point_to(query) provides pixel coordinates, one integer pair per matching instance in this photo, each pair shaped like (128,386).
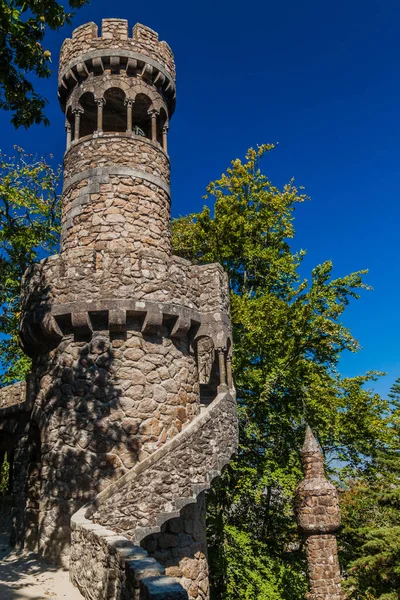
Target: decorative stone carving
(205,358)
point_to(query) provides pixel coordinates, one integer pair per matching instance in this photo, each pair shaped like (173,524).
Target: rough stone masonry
(130,410)
(318,517)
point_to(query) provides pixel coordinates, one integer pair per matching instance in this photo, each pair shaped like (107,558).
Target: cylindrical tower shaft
(118,94)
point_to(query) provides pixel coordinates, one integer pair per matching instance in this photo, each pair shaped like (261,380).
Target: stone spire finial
(310,445)
(318,517)
(311,456)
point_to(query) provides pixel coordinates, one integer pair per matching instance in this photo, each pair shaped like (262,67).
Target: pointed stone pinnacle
(310,445)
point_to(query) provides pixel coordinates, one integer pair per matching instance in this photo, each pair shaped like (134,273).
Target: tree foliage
(22,28)
(29,229)
(371,536)
(288,340)
(4,476)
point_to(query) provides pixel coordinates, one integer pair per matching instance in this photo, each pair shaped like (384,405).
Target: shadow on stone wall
(91,410)
(181,547)
(82,439)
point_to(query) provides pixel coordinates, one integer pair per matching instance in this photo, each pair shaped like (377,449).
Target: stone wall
(112,212)
(172,526)
(116,195)
(324,569)
(174,475)
(127,150)
(103,406)
(87,277)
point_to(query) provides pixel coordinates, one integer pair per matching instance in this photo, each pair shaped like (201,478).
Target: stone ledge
(101,172)
(162,588)
(49,325)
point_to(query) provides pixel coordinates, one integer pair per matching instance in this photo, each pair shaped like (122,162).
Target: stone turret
(318,517)
(118,94)
(131,346)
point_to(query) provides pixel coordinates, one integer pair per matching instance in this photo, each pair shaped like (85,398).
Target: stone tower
(318,516)
(133,409)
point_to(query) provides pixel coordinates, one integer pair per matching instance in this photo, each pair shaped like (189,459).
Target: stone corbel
(153,321)
(81,322)
(117,320)
(98,67)
(82,70)
(181,326)
(50,327)
(115,62)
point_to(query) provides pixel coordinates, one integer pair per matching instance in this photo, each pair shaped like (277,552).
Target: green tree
(288,338)
(29,229)
(371,511)
(22,28)
(4,476)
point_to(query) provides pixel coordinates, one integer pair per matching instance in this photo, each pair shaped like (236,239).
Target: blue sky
(322,79)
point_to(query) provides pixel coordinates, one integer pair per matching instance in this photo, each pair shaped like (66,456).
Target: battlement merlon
(141,54)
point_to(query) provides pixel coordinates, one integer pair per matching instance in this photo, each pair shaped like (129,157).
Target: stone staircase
(111,527)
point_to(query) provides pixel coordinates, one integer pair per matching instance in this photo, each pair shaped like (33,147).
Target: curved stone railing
(173,477)
(106,565)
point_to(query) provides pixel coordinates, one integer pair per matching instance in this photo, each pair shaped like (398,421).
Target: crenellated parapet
(80,291)
(140,55)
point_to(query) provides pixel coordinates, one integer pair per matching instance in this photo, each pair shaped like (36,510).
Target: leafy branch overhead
(29,230)
(22,29)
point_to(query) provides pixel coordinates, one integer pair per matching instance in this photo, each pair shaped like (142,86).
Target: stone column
(128,104)
(77,112)
(229,376)
(164,139)
(100,103)
(318,517)
(153,115)
(68,129)
(222,369)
